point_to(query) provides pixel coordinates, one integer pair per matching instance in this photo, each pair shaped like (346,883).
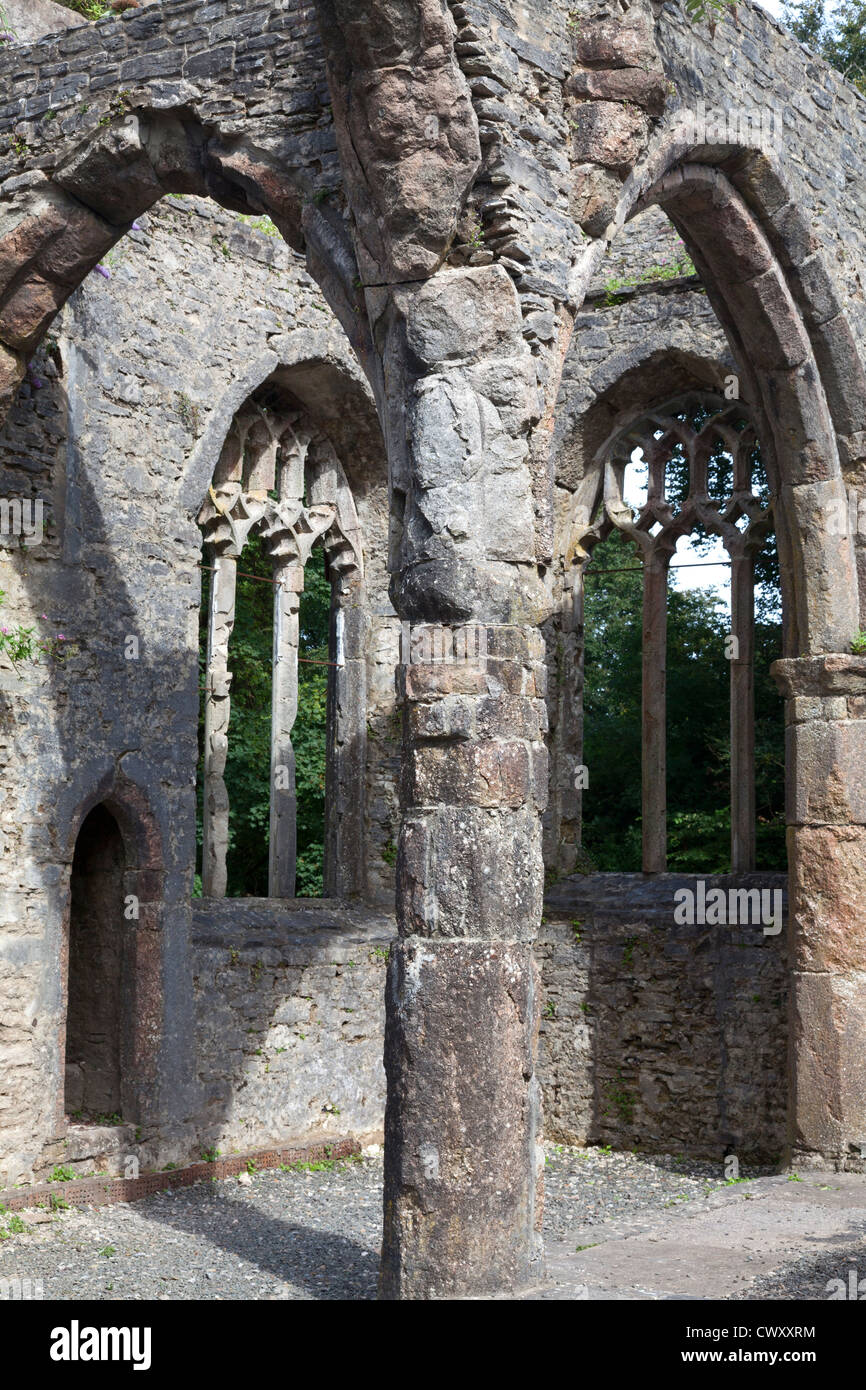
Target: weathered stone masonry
(454,175)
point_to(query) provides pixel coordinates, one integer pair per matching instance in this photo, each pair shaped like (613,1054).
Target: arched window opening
(282,553)
(677,695)
(96,972)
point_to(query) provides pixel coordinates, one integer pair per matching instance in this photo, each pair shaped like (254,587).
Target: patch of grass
(61,1173)
(621,1098)
(678,269)
(260,224)
(322,1165)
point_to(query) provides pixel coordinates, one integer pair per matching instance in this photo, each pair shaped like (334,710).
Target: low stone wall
(661,1036)
(290,1017)
(653,1035)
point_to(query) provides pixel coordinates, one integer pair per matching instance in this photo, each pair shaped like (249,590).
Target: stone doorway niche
(96,983)
(111,1036)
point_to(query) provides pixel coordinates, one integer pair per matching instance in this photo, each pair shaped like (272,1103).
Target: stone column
(215,830)
(654,710)
(282,857)
(826,813)
(743,713)
(462,1178)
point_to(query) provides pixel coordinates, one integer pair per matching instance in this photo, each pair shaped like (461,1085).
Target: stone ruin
(423,375)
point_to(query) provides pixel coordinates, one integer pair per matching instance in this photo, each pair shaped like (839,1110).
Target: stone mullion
(565,744)
(215,828)
(654,711)
(743,712)
(282,856)
(345,775)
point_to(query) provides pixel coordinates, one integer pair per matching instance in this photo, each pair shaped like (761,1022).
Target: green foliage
(839,37)
(698,10)
(90,9)
(62,1174)
(260,224)
(698,686)
(681,267)
(21,643)
(249,758)
(618,1094)
(858,643)
(322,1165)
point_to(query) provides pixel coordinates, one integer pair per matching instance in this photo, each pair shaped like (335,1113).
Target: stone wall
(117,429)
(655,1036)
(289,1022)
(665,1037)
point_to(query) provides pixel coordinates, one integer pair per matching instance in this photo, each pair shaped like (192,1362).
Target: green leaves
(249,758)
(698,678)
(698,10)
(838,37)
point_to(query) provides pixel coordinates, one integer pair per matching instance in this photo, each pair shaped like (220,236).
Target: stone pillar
(462,1177)
(215,830)
(826,813)
(654,710)
(743,713)
(282,856)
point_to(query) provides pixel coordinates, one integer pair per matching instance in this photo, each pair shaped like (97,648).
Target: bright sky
(706,577)
(773,6)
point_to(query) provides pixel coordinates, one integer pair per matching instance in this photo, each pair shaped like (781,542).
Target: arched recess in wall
(65,217)
(112,960)
(759,265)
(279,486)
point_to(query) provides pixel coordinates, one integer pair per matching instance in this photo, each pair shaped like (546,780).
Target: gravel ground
(301,1235)
(588,1187)
(810,1276)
